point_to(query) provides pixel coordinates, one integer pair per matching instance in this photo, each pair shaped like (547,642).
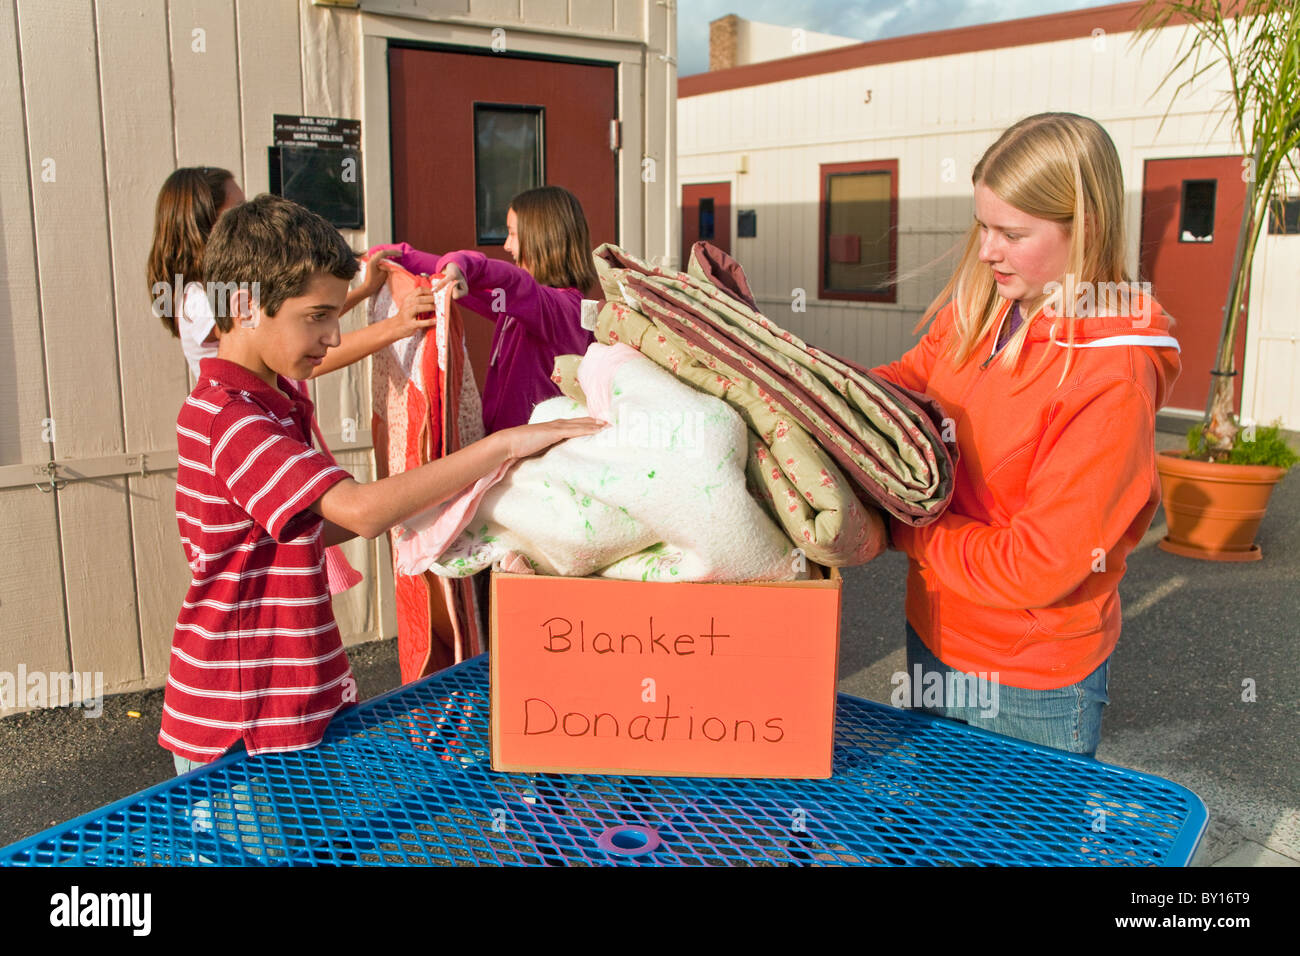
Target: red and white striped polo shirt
(256,655)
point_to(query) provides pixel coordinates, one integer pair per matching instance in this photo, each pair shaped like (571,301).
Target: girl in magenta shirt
(535,305)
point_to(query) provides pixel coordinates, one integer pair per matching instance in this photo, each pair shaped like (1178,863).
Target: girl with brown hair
(189,203)
(536,305)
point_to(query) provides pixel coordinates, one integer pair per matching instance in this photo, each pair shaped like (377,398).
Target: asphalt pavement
(1197,635)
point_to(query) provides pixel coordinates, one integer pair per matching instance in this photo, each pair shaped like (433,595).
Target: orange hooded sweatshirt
(1055,485)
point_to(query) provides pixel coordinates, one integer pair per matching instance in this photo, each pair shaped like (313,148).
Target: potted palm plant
(1216,491)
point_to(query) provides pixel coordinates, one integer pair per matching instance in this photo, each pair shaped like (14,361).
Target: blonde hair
(1056,166)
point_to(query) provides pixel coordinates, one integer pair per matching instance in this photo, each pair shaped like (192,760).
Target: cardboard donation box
(591,675)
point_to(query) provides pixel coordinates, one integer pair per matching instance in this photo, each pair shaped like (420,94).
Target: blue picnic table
(405,780)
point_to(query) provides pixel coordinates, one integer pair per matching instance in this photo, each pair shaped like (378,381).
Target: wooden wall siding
(33,628)
(139,153)
(115,94)
(1271,387)
(24,402)
(270,79)
(632,191)
(357,609)
(549,13)
(61,95)
(495,10)
(205,84)
(151,86)
(935,116)
(594,15)
(584,17)
(662,226)
(329,56)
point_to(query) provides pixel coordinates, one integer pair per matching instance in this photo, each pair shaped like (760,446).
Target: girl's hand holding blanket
(375,276)
(454,275)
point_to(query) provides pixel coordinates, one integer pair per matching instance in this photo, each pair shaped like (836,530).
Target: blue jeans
(185,765)
(1066,718)
(242,816)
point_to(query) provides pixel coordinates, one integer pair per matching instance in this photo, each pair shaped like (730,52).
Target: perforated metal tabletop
(405,779)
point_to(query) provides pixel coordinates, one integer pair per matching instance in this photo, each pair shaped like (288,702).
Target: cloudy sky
(860,19)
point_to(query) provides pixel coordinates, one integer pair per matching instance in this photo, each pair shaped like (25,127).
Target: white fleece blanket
(658,496)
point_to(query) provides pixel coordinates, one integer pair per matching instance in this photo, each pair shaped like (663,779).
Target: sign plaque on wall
(316,161)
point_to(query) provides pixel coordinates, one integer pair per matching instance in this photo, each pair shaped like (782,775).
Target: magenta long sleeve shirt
(534,324)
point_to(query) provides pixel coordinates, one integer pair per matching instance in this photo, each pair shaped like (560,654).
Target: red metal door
(1191,212)
(706,214)
(434,99)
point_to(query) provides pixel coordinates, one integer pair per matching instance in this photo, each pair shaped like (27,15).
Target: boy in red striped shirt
(256,657)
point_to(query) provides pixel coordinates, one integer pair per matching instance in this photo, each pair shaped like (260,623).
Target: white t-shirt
(195,322)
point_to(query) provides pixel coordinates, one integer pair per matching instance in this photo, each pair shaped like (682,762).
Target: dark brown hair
(184,215)
(275,247)
(554,243)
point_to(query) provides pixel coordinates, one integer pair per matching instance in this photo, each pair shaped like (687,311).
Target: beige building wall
(936,116)
(101,100)
(1271,385)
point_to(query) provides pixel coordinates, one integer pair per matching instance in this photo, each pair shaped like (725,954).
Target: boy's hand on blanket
(524,440)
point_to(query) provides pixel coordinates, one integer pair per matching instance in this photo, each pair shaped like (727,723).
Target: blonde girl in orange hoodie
(1051,365)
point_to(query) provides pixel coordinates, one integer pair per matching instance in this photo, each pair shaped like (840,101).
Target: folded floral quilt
(826,435)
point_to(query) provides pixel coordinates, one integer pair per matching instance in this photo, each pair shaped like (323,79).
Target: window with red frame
(858,254)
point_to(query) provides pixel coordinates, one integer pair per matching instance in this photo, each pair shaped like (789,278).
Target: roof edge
(1046,28)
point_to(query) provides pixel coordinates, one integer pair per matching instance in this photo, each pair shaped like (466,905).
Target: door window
(706,218)
(508,150)
(1197,223)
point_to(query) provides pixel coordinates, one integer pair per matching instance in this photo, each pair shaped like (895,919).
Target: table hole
(629,840)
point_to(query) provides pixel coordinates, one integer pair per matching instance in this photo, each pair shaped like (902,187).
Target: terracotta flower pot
(1214,510)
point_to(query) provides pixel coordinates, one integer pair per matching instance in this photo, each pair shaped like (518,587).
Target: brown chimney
(722,42)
